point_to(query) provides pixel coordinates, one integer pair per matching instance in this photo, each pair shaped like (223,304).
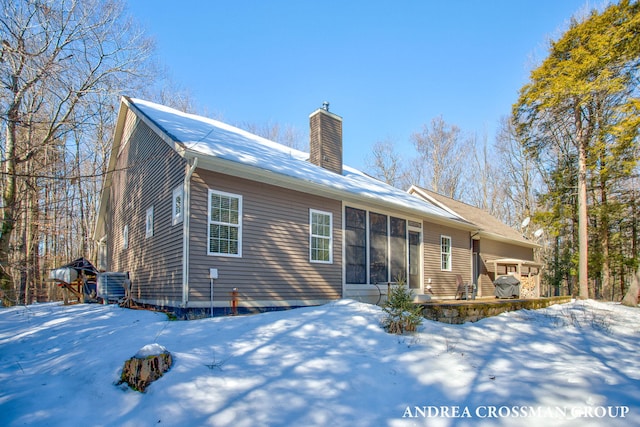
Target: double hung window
(224,224)
(321,236)
(445,253)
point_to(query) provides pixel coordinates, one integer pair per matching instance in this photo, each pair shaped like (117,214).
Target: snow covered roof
(488,226)
(213,140)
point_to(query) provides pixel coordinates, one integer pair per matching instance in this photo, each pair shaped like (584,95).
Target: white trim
(185,230)
(311,236)
(450,253)
(414,189)
(238,225)
(420,232)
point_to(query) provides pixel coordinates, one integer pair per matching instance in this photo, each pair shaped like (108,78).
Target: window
(445,253)
(415,238)
(224,224)
(149,223)
(321,241)
(398,246)
(177,207)
(376,248)
(125,237)
(355,234)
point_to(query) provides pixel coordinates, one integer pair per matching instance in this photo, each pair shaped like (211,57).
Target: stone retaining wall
(472,311)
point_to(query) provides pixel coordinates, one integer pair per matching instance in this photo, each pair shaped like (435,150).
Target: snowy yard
(573,364)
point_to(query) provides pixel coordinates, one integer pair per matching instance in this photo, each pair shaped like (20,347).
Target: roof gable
(489,226)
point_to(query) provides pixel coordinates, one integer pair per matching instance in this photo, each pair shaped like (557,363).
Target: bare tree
(445,155)
(284,134)
(521,178)
(487,188)
(386,164)
(62,63)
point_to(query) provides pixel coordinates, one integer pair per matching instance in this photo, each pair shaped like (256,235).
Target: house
(204,216)
(497,249)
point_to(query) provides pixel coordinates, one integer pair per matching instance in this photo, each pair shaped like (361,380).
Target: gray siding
(274,268)
(146,173)
(443,283)
(490,250)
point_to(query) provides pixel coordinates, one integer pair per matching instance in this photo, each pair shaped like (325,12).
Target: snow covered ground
(568,365)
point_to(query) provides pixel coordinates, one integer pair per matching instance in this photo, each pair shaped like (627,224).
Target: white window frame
(445,263)
(229,224)
(313,236)
(148,223)
(125,237)
(177,210)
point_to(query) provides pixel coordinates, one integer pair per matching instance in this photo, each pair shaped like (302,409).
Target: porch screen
(378,247)
(398,243)
(355,246)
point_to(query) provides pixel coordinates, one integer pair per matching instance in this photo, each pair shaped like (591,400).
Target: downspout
(186,190)
(476,292)
(102,243)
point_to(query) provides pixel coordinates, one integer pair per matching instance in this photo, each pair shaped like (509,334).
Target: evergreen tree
(402,315)
(586,90)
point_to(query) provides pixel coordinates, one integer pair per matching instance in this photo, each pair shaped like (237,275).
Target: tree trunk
(604,236)
(583,236)
(9,201)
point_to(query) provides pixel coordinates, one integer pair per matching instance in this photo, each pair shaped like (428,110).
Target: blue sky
(386,67)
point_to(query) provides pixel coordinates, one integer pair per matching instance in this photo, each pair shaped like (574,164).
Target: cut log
(149,364)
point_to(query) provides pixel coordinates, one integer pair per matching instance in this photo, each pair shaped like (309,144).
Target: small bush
(402,315)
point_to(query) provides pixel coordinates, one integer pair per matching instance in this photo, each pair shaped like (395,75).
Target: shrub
(402,315)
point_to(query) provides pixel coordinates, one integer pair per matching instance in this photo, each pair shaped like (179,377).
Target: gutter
(232,168)
(186,191)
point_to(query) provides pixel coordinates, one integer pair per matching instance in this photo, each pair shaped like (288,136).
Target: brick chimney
(325,144)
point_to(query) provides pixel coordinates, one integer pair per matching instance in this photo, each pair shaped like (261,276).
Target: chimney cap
(325,105)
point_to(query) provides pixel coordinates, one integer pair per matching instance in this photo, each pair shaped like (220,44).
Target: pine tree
(585,90)
(402,315)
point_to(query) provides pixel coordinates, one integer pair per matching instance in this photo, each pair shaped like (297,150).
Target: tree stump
(149,364)
(631,298)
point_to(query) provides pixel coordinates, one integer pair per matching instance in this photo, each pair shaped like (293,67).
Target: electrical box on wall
(213,273)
